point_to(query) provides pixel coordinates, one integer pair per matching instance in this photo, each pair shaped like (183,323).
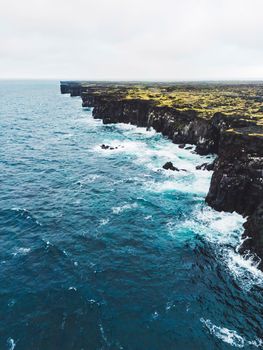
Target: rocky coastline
(237,180)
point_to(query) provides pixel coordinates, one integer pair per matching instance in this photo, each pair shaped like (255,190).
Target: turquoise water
(103,249)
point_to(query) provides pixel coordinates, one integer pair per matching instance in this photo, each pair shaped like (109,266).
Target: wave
(224,230)
(120,209)
(244,268)
(154,155)
(25,214)
(104,222)
(11,344)
(88,179)
(21,251)
(230,336)
(136,130)
(182,182)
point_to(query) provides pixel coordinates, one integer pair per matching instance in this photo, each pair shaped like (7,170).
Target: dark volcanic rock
(206,166)
(236,183)
(183,127)
(108,147)
(170,166)
(72,88)
(104,146)
(130,111)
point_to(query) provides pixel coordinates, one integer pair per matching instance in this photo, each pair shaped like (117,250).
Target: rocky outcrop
(206,166)
(170,166)
(237,181)
(72,88)
(130,111)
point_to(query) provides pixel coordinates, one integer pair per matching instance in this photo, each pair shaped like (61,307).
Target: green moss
(206,100)
(241,100)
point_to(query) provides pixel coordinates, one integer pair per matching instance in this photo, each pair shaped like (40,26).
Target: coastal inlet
(103,248)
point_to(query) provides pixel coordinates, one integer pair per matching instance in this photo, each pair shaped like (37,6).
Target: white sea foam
(219,226)
(88,179)
(104,222)
(120,209)
(135,130)
(133,147)
(244,269)
(155,315)
(11,344)
(155,154)
(21,251)
(187,180)
(225,230)
(72,288)
(182,182)
(103,335)
(230,336)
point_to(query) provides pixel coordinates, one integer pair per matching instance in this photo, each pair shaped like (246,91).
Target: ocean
(104,249)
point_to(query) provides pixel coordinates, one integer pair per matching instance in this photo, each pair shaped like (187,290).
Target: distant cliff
(237,139)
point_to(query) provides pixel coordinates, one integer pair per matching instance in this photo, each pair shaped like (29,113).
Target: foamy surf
(124,207)
(224,230)
(154,155)
(229,336)
(11,344)
(184,182)
(21,251)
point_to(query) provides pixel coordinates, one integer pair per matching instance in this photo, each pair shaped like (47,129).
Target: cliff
(221,119)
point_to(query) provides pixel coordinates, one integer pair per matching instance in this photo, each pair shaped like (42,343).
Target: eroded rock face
(253,234)
(237,181)
(183,127)
(206,166)
(130,111)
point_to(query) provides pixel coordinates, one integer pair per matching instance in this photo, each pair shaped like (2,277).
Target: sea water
(104,249)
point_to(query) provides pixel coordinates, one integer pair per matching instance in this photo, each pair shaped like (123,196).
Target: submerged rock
(170,166)
(108,147)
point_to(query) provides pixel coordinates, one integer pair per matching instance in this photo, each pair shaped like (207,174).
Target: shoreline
(237,180)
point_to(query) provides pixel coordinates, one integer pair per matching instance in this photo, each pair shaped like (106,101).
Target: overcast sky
(136,40)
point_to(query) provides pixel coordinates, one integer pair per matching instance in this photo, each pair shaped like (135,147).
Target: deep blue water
(102,249)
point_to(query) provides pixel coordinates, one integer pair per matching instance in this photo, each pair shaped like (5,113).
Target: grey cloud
(123,39)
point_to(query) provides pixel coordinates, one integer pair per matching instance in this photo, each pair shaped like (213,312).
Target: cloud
(123,39)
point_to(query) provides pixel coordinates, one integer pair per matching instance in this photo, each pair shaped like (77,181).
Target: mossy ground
(244,100)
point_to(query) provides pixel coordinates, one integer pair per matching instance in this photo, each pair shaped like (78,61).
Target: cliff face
(72,88)
(253,234)
(237,181)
